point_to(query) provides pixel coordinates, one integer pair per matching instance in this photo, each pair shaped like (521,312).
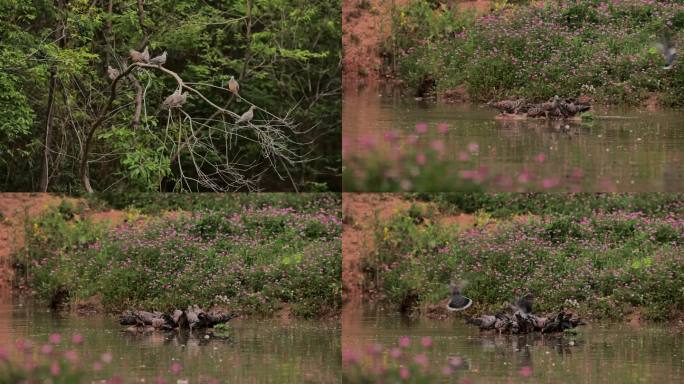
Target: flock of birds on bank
(522,320)
(178,99)
(190,319)
(555,108)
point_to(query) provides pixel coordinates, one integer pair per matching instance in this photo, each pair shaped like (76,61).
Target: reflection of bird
(113,73)
(145,55)
(458,302)
(484,322)
(247,116)
(233,85)
(668,51)
(159,60)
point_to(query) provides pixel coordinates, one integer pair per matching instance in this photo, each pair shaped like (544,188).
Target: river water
(620,150)
(256,351)
(600,353)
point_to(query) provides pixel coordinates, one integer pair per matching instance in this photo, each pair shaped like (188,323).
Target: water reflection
(621,149)
(599,353)
(254,351)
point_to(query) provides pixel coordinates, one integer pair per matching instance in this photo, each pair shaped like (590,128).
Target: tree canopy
(68,124)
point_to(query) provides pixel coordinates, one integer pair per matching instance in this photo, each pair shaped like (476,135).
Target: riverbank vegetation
(252,254)
(81,114)
(605,51)
(601,256)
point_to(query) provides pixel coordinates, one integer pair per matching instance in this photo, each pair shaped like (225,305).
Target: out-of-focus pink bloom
(46,349)
(404,373)
(412,139)
(443,128)
(404,341)
(525,371)
(421,128)
(71,355)
(540,158)
(421,159)
(577,173)
(115,380)
(473,147)
(550,183)
(176,368)
(159,380)
(395,353)
(421,359)
(374,349)
(447,370)
(55,369)
(524,176)
(55,338)
(437,145)
(350,357)
(4,355)
(97,366)
(391,136)
(426,341)
(106,357)
(463,156)
(77,338)
(455,361)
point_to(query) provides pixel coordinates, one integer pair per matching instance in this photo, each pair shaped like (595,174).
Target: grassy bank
(253,255)
(604,50)
(604,257)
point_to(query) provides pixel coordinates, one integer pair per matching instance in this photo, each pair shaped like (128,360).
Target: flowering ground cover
(601,49)
(253,257)
(626,255)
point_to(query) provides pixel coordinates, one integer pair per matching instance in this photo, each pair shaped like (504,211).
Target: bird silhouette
(159,60)
(113,73)
(247,116)
(668,51)
(458,302)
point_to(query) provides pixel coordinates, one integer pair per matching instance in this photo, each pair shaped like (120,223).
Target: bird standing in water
(458,302)
(247,116)
(524,304)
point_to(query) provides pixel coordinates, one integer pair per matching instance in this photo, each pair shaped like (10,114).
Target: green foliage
(602,50)
(287,61)
(609,262)
(253,258)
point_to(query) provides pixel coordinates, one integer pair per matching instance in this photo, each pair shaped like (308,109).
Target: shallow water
(600,353)
(257,351)
(620,150)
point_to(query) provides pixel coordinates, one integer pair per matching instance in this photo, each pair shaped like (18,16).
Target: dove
(113,73)
(145,55)
(458,302)
(159,60)
(668,51)
(175,100)
(136,56)
(233,85)
(247,116)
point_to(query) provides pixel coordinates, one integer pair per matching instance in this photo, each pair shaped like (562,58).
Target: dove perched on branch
(145,55)
(136,56)
(113,73)
(175,100)
(159,60)
(247,116)
(233,85)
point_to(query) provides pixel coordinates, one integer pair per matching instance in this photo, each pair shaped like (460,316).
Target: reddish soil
(367,23)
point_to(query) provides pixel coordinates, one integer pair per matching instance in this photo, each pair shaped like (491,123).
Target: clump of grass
(605,263)
(250,258)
